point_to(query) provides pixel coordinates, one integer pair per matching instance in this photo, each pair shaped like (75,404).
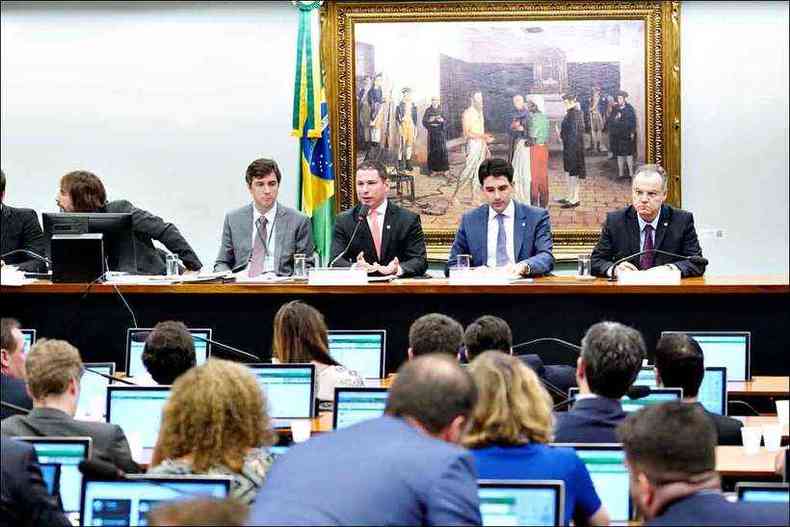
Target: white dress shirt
(268,261)
(493,232)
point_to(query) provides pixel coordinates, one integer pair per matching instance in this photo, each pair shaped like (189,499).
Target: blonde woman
(216,422)
(509,433)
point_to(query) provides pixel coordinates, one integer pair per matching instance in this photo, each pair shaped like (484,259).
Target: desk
(731,461)
(760,386)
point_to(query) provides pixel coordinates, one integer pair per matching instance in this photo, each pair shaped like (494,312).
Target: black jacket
(728,430)
(14,391)
(590,421)
(21,230)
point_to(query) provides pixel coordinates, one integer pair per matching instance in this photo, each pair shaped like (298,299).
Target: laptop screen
(646,377)
(135,343)
(363,351)
(66,452)
(606,465)
(763,492)
(93,391)
(656,396)
(713,390)
(289,388)
(730,350)
(521,502)
(138,411)
(50,473)
(127,502)
(29,338)
(353,405)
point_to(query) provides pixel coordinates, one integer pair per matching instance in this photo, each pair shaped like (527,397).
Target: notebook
(353,405)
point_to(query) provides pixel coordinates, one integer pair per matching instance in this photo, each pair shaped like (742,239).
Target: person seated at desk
(54,369)
(647,224)
(21,230)
(435,333)
(670,451)
(390,241)
(680,363)
(215,422)
(13,387)
(264,235)
(199,511)
(610,360)
(82,191)
(169,352)
(510,430)
(504,232)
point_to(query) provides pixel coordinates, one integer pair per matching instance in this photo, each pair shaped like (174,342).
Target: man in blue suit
(504,233)
(399,469)
(671,454)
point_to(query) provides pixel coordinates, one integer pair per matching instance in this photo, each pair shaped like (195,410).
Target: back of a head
(680,363)
(670,442)
(435,333)
(300,335)
(50,366)
(199,511)
(612,355)
(432,389)
(85,189)
(487,333)
(169,351)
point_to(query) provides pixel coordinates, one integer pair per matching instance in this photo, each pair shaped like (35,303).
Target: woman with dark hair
(83,191)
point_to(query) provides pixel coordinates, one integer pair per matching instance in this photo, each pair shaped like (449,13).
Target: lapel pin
(388,226)
(666,223)
(524,224)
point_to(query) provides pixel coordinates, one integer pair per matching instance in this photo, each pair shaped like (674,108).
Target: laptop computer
(712,392)
(92,404)
(135,344)
(138,411)
(29,338)
(363,351)
(522,502)
(289,390)
(50,473)
(729,349)
(656,396)
(353,405)
(763,492)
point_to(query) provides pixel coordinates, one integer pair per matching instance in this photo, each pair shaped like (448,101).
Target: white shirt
(268,261)
(493,232)
(379,211)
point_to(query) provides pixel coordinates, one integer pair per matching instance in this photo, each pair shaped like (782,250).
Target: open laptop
(353,405)
(93,391)
(67,452)
(521,502)
(656,396)
(363,351)
(29,338)
(135,344)
(289,390)
(128,501)
(763,492)
(712,392)
(50,473)
(138,411)
(729,349)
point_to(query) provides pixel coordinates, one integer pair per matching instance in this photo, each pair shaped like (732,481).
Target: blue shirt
(538,461)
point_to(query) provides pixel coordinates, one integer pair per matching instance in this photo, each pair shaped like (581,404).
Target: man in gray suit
(54,369)
(264,236)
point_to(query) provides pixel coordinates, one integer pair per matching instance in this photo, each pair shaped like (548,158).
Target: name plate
(479,277)
(337,276)
(662,275)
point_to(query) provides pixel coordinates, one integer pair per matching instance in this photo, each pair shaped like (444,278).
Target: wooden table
(760,386)
(732,461)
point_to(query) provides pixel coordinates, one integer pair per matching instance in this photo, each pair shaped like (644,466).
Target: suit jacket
(24,499)
(712,508)
(531,237)
(378,472)
(21,230)
(620,238)
(401,236)
(293,235)
(728,429)
(109,441)
(13,391)
(590,421)
(148,227)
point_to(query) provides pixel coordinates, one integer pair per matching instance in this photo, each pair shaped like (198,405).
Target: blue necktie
(501,242)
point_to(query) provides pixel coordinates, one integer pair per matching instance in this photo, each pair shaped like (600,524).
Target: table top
(760,385)
(732,461)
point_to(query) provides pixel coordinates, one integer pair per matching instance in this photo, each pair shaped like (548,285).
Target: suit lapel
(244,244)
(663,225)
(519,228)
(386,232)
(6,230)
(483,226)
(632,228)
(280,228)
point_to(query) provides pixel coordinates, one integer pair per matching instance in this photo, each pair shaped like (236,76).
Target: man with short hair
(389,239)
(622,134)
(647,224)
(435,333)
(12,368)
(403,468)
(680,363)
(670,451)
(21,231)
(54,369)
(610,360)
(169,351)
(264,235)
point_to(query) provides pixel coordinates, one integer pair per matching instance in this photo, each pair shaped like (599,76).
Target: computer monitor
(363,351)
(508,502)
(116,229)
(289,390)
(763,492)
(66,452)
(135,344)
(729,349)
(138,411)
(29,338)
(646,377)
(128,501)
(353,405)
(93,391)
(656,396)
(712,392)
(50,473)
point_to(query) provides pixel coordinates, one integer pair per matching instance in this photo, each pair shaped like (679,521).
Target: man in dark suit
(53,370)
(399,469)
(21,230)
(680,364)
(610,360)
(645,225)
(671,453)
(504,233)
(389,240)
(24,499)
(12,368)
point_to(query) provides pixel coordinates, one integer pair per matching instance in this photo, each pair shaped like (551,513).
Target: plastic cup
(583,266)
(752,435)
(300,430)
(463,262)
(772,434)
(783,412)
(300,266)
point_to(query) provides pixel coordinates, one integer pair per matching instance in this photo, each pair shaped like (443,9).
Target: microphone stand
(363,211)
(225,347)
(693,259)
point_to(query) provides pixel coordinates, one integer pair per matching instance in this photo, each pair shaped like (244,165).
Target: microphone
(109,377)
(15,408)
(37,256)
(225,347)
(363,212)
(564,343)
(695,259)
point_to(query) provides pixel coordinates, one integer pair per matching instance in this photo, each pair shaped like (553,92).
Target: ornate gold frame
(662,61)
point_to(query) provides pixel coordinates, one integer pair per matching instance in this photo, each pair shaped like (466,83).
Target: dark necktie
(258,248)
(501,242)
(647,260)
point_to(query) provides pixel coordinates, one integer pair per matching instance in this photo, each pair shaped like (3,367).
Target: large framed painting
(431,89)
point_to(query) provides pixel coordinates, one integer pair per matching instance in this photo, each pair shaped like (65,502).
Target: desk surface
(732,461)
(760,386)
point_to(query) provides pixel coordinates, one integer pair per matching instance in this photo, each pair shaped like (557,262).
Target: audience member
(198,512)
(671,455)
(21,231)
(54,369)
(216,422)
(610,360)
(169,351)
(13,388)
(680,364)
(398,469)
(510,430)
(435,333)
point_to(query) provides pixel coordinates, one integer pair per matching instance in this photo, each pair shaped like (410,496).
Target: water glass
(463,262)
(300,266)
(583,268)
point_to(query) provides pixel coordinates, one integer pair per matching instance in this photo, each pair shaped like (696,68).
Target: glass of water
(300,266)
(463,262)
(583,269)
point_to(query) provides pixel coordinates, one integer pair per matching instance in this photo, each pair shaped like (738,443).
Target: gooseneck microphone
(563,343)
(29,253)
(695,259)
(109,377)
(363,212)
(225,347)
